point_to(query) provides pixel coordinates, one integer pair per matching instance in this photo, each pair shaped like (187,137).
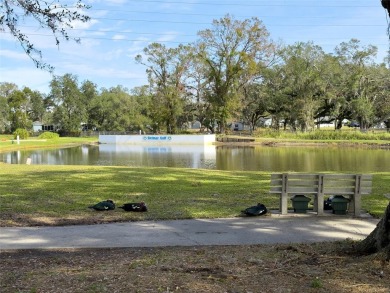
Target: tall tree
(142,97)
(332,106)
(355,61)
(89,91)
(230,50)
(303,83)
(36,104)
(71,111)
(379,239)
(115,109)
(6,90)
(166,69)
(53,16)
(255,104)
(198,107)
(4,124)
(386,5)
(18,104)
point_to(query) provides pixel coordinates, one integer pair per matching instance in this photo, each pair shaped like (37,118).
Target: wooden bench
(319,185)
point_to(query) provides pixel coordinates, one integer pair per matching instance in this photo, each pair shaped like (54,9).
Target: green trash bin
(300,203)
(340,205)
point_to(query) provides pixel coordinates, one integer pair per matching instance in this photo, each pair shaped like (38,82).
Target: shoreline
(305,143)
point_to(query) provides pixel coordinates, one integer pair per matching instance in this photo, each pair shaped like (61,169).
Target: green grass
(328,135)
(31,192)
(8,143)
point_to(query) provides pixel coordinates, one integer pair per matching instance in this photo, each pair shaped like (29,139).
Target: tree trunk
(379,239)
(386,5)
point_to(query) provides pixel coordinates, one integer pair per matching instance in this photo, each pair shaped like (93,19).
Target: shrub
(323,134)
(49,135)
(22,133)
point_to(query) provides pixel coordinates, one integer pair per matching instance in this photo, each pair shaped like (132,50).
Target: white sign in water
(158,139)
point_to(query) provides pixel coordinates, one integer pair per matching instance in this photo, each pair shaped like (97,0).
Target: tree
(303,82)
(18,103)
(71,104)
(4,125)
(229,51)
(386,5)
(115,109)
(276,100)
(379,89)
(255,103)
(6,90)
(198,107)
(166,69)
(142,97)
(355,82)
(379,238)
(89,91)
(52,16)
(36,104)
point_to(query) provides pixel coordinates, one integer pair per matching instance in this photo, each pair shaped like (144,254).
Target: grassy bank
(347,134)
(53,195)
(8,143)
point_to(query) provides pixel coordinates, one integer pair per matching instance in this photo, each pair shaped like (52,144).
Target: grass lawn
(8,143)
(55,195)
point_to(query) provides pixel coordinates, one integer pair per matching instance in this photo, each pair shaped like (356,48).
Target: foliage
(22,133)
(232,52)
(49,135)
(346,135)
(71,104)
(115,109)
(165,68)
(55,17)
(4,126)
(302,83)
(233,73)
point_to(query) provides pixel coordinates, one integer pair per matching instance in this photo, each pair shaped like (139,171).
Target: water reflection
(259,158)
(158,156)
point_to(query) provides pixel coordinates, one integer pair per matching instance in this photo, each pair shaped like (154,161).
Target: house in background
(40,127)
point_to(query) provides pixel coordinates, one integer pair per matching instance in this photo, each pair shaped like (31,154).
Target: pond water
(258,158)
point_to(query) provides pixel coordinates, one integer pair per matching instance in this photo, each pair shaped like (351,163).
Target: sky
(119,30)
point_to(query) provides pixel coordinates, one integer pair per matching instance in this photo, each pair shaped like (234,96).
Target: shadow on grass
(59,195)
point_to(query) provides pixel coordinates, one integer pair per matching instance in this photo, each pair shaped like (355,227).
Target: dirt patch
(320,267)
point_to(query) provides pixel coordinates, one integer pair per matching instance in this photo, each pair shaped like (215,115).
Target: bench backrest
(328,184)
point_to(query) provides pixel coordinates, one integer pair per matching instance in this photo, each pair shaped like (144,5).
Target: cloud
(13,55)
(107,2)
(168,36)
(118,37)
(79,25)
(27,76)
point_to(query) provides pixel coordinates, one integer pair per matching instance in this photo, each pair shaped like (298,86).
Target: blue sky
(119,30)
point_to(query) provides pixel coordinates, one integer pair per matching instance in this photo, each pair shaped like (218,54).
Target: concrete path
(232,231)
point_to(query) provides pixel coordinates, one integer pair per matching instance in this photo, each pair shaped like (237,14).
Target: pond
(258,158)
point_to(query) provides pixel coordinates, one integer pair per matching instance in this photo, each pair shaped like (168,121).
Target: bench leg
(357,204)
(320,204)
(283,204)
